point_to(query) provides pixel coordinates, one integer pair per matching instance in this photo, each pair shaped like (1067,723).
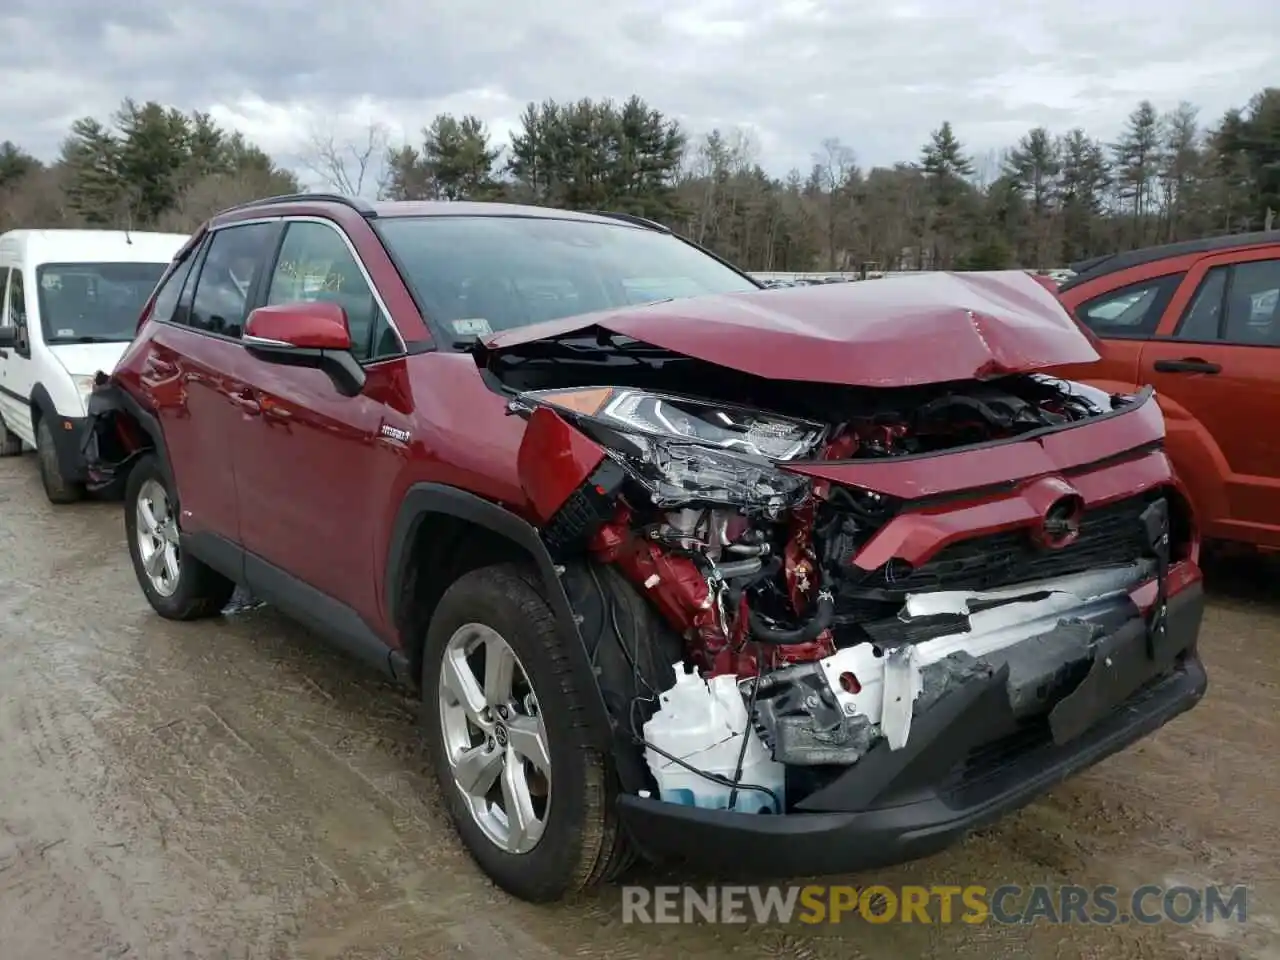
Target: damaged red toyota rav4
(781,581)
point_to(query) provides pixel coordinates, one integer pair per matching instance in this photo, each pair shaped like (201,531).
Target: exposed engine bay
(799,653)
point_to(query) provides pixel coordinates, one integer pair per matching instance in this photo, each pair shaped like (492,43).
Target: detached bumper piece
(104,453)
(983,742)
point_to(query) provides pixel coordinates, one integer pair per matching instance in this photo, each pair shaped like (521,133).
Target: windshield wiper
(87,338)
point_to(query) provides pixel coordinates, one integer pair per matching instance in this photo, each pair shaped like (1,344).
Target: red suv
(784,581)
(1200,322)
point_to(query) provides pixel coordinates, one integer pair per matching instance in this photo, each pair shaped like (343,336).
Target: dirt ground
(232,789)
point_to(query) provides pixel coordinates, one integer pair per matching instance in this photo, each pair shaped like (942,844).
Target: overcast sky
(879,74)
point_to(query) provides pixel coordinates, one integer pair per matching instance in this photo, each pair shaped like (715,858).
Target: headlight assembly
(686,450)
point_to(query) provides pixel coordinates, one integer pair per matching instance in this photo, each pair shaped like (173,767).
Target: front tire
(178,586)
(500,702)
(56,486)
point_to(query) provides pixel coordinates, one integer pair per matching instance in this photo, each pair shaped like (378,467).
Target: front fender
(425,499)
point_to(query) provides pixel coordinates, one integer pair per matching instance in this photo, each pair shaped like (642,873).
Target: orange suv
(1199,321)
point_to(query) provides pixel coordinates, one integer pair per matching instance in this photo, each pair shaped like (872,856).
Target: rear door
(190,375)
(1216,359)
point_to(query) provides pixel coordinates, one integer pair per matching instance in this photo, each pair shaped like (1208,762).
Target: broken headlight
(684,450)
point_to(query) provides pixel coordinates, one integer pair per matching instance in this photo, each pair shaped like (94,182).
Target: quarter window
(225,285)
(316,265)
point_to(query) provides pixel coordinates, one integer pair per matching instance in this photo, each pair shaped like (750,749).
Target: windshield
(94,302)
(477,275)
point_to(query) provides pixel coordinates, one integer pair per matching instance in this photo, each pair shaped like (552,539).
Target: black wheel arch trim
(424,499)
(42,401)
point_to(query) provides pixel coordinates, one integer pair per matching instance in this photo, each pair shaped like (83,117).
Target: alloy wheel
(157,533)
(495,738)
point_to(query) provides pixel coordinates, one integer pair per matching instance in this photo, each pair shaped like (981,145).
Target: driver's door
(308,459)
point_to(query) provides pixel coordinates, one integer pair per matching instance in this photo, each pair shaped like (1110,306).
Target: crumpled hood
(892,332)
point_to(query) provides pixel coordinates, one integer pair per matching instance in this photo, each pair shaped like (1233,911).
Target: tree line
(1049,199)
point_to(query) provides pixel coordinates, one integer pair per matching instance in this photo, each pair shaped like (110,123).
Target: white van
(71,302)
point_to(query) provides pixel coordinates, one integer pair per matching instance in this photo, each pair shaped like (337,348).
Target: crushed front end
(903,611)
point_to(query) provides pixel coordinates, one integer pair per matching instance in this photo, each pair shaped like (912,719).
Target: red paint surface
(310,326)
(1001,463)
(900,332)
(554,461)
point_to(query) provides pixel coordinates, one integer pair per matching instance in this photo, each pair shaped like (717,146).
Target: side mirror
(311,334)
(8,338)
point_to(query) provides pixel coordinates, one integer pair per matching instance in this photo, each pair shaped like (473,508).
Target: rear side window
(235,257)
(167,296)
(1131,311)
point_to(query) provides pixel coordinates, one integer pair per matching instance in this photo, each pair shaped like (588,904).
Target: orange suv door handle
(1187,365)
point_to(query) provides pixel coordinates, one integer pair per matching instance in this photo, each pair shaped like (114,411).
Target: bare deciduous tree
(355,165)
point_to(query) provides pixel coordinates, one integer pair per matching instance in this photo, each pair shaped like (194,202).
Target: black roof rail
(358,204)
(630,218)
(1095,267)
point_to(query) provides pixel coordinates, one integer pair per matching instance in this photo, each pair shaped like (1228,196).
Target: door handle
(4,354)
(1187,365)
(247,402)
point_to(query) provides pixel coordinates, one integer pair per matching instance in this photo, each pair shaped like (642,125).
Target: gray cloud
(880,76)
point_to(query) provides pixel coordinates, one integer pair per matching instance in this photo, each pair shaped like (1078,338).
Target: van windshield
(94,302)
(480,274)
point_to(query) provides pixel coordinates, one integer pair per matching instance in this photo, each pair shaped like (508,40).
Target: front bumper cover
(970,759)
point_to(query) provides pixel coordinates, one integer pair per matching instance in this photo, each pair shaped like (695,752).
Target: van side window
(167,296)
(236,256)
(4,292)
(17,301)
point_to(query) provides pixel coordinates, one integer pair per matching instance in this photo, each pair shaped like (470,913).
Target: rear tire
(56,486)
(10,442)
(579,841)
(178,586)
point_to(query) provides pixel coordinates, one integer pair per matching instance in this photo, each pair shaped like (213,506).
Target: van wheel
(10,442)
(505,728)
(56,487)
(178,587)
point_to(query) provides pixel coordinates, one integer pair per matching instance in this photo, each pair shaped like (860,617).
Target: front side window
(1253,304)
(476,275)
(316,265)
(1132,311)
(1200,323)
(94,302)
(231,265)
(4,292)
(17,306)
